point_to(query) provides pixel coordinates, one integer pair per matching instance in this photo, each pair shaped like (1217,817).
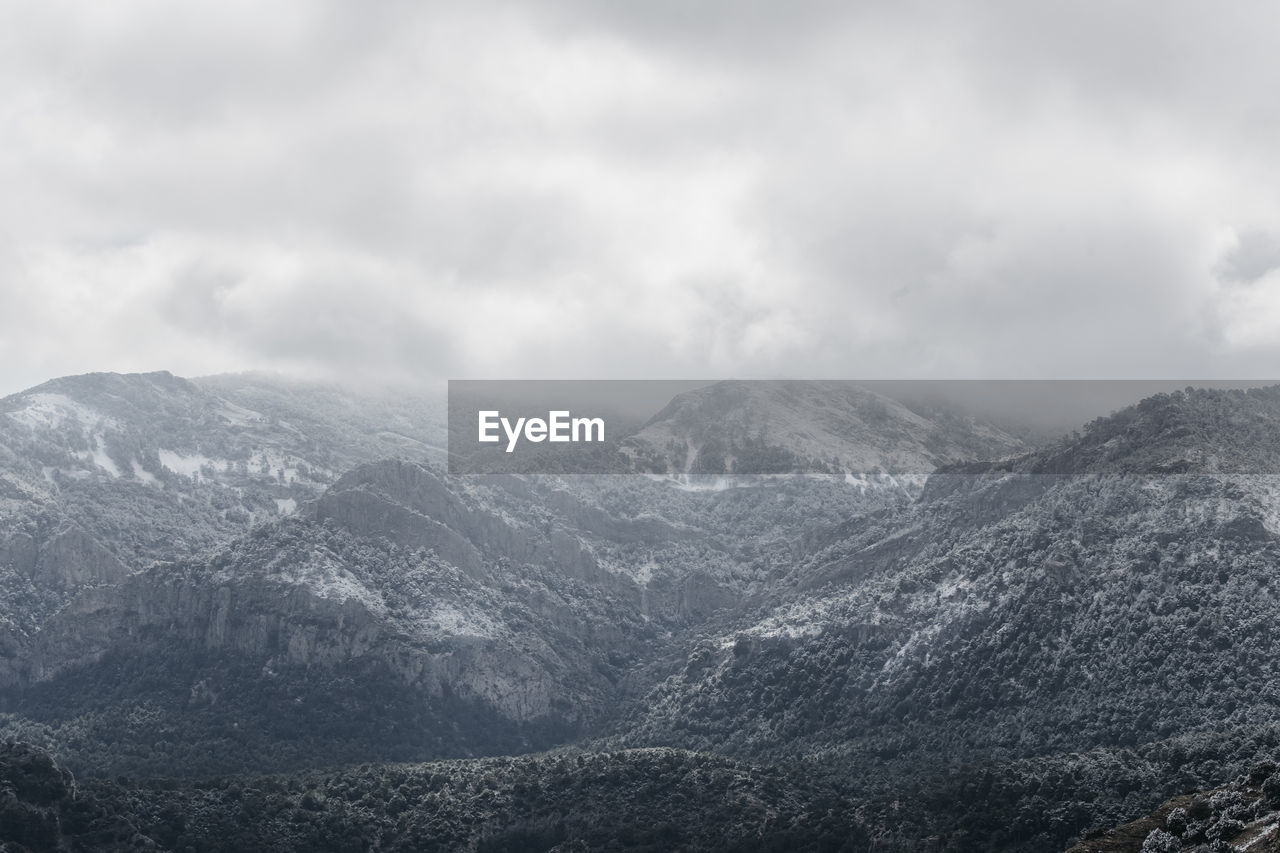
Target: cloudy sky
(561,188)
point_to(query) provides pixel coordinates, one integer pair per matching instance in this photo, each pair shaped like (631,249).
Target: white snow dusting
(325,578)
(47,411)
(461,623)
(188,465)
(239,415)
(144,476)
(98,456)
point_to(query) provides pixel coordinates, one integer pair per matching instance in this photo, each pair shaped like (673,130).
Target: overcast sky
(561,188)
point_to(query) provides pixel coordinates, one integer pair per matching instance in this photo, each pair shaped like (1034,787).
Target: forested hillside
(1005,655)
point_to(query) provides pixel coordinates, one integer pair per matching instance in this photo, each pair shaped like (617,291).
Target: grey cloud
(620,189)
(1257,254)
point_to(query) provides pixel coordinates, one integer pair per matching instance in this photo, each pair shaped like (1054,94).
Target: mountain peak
(780,426)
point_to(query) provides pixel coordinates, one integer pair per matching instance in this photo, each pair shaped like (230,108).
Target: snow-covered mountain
(1016,649)
(102,474)
(1076,599)
(501,613)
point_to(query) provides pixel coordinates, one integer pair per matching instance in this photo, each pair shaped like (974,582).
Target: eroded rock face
(54,552)
(20,552)
(282,626)
(72,557)
(368,512)
(399,573)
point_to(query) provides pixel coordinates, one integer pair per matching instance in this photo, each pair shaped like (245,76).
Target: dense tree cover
(1243,814)
(1197,429)
(188,712)
(1104,612)
(647,800)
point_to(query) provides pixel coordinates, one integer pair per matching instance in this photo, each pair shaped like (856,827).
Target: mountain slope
(403,614)
(1013,614)
(102,474)
(765,427)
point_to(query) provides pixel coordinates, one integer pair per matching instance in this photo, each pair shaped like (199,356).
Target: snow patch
(144,476)
(694,483)
(1267,831)
(98,456)
(279,466)
(187,465)
(286,506)
(952,586)
(239,415)
(1267,488)
(343,586)
(461,623)
(49,411)
(800,619)
(325,578)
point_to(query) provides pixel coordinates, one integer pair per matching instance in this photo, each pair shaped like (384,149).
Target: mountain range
(997,647)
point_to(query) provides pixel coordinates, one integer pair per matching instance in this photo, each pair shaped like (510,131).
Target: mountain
(1017,612)
(770,427)
(400,615)
(102,474)
(388,612)
(1000,652)
(361,629)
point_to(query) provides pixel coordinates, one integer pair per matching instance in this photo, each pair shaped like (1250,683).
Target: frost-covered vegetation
(1003,657)
(1243,814)
(647,800)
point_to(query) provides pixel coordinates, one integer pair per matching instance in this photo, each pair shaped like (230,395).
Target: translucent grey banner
(858,428)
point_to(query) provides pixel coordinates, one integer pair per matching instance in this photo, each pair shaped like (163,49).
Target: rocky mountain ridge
(103,474)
